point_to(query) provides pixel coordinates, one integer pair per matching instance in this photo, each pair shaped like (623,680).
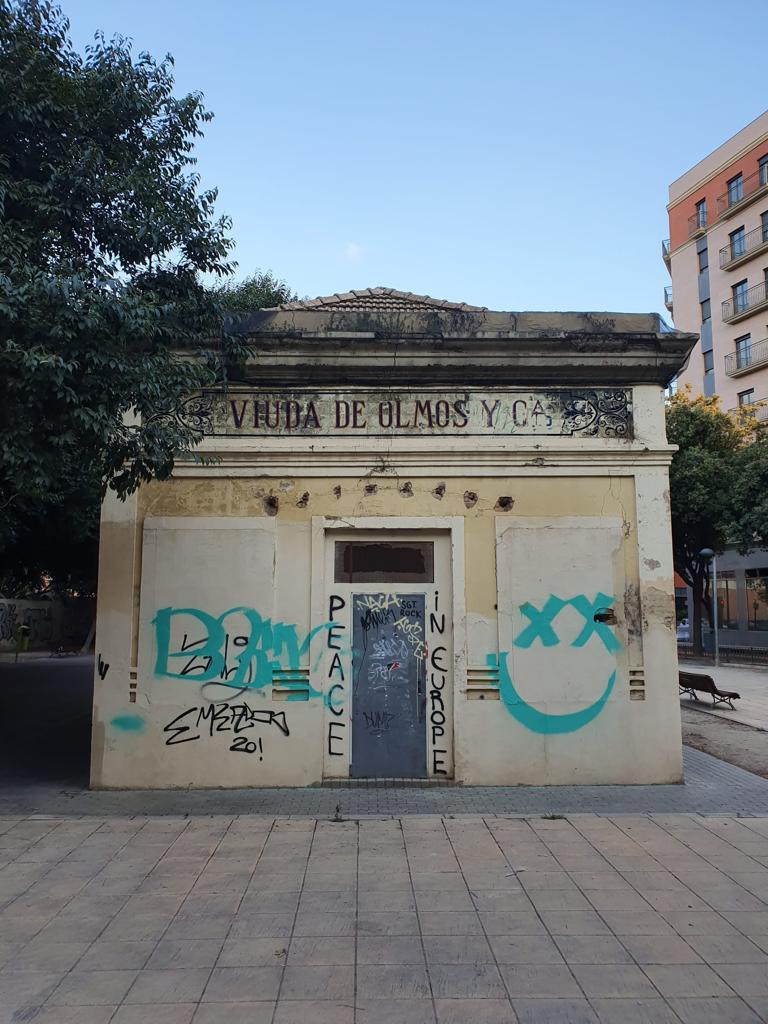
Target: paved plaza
(468,920)
(751,683)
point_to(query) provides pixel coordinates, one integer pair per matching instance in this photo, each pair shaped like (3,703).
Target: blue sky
(514,155)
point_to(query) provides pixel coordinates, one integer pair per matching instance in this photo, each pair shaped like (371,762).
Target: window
(740,296)
(726,600)
(384,562)
(757,598)
(735,189)
(737,243)
(703,261)
(764,225)
(743,351)
(762,168)
(709,361)
(747,397)
(701,213)
(706,311)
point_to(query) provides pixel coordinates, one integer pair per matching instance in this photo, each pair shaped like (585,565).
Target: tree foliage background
(107,238)
(718,489)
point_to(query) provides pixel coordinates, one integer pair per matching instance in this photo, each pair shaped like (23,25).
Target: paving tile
(748,922)
(321,952)
(234,1013)
(327,902)
(84,988)
(615,981)
(592,949)
(392,982)
(451,900)
(255,926)
(312,982)
(389,949)
(242,984)
(700,923)
(387,900)
(745,979)
(714,1011)
(498,900)
(512,923)
(659,949)
(476,1011)
(180,985)
(727,949)
(560,899)
(618,899)
(323,1012)
(165,1013)
(465,981)
(175,953)
(573,922)
(39,955)
(263,952)
(634,1011)
(395,1011)
(525,949)
(546,981)
(457,949)
(686,980)
(553,1011)
(72,1015)
(319,923)
(395,922)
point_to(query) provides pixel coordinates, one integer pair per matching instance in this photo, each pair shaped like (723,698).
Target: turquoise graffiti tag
(540,627)
(265,651)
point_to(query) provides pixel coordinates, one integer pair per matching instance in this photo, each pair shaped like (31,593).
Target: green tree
(259,291)
(715,481)
(106,238)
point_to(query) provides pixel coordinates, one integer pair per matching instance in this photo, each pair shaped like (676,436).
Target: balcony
(668,297)
(737,198)
(746,359)
(697,224)
(758,409)
(666,252)
(746,303)
(736,253)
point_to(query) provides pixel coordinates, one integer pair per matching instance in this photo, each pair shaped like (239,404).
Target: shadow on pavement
(45,721)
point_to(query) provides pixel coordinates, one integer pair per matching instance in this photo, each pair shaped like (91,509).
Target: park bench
(696,682)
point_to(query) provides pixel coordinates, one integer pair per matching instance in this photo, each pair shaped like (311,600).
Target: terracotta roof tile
(380,300)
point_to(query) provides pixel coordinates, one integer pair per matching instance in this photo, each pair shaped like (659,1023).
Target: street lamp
(709,555)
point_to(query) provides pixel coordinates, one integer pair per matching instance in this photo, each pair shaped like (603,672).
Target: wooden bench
(696,682)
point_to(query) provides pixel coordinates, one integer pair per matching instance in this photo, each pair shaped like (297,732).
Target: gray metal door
(389,738)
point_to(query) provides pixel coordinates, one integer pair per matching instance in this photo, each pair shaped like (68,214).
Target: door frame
(336,733)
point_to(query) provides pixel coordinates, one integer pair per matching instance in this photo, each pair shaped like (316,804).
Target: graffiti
(8,621)
(40,624)
(337,683)
(541,721)
(246,657)
(412,632)
(437,680)
(378,721)
(128,723)
(224,717)
(540,622)
(377,602)
(390,647)
(102,667)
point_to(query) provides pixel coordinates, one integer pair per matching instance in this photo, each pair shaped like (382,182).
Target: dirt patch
(737,744)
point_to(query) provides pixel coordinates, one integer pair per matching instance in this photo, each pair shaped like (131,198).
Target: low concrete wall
(53,623)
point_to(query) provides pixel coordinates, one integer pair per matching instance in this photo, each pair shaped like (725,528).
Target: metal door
(388,685)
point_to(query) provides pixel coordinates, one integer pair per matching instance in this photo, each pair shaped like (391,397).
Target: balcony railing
(750,357)
(738,250)
(743,193)
(758,409)
(745,303)
(668,297)
(665,250)
(697,223)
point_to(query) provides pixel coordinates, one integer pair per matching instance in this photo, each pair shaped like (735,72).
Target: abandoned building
(431,541)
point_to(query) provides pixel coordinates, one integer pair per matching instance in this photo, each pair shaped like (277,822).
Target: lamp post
(709,555)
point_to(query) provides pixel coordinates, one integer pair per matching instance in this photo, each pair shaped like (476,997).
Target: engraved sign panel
(584,412)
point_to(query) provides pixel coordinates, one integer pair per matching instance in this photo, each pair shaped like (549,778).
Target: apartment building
(717,256)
